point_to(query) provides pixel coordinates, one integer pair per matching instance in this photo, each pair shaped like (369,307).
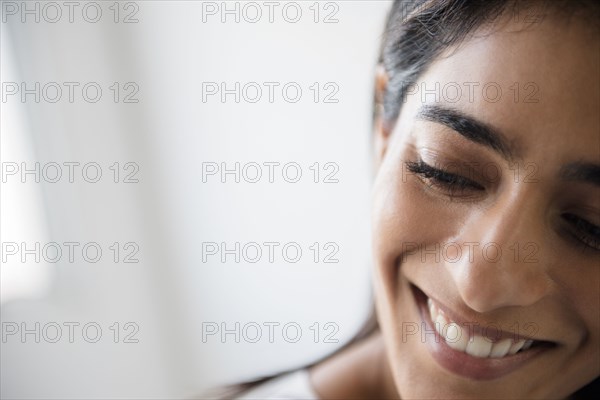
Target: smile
(473,350)
(477,345)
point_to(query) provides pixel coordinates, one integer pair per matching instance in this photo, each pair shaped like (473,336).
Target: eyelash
(454,185)
(586,233)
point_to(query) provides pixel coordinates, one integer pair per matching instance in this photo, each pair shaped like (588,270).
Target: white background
(170,133)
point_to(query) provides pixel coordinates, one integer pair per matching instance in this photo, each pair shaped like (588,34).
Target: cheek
(404,216)
(587,307)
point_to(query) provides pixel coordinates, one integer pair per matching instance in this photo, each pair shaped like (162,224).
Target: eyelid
(477,170)
(448,181)
(422,165)
(583,231)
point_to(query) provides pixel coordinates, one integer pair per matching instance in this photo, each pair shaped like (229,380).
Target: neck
(360,371)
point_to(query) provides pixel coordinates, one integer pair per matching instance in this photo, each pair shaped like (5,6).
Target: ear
(381,132)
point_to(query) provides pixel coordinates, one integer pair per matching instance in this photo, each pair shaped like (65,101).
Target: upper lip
(490,329)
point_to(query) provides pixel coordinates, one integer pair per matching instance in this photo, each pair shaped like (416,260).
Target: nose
(502,262)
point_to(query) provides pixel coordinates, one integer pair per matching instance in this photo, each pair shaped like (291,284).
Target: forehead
(539,85)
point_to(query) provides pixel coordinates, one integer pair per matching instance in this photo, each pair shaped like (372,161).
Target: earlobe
(381,131)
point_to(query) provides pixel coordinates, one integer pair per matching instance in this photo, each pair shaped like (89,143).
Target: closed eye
(453,184)
(585,232)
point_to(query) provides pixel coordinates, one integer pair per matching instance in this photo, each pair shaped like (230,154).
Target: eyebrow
(480,132)
(468,127)
(581,172)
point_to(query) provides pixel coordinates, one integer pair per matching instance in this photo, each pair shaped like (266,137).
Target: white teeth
(431,307)
(479,346)
(457,338)
(516,346)
(440,323)
(500,349)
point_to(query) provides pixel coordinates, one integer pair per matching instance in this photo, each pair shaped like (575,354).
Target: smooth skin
(552,285)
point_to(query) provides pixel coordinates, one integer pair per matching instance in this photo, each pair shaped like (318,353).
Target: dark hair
(416,32)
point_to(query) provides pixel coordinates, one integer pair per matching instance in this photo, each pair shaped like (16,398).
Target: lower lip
(463,364)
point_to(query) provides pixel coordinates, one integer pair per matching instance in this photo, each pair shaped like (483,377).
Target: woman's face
(487,203)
